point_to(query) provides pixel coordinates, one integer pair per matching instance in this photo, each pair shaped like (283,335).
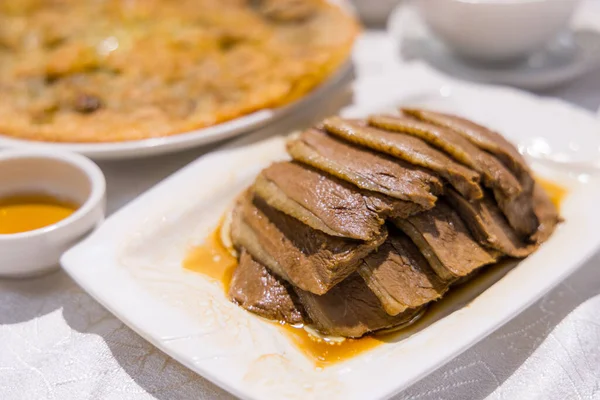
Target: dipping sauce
(25,213)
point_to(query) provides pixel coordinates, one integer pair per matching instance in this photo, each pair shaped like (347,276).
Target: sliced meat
(445,242)
(318,200)
(547,214)
(350,309)
(387,207)
(255,289)
(399,275)
(366,169)
(410,149)
(482,137)
(488,225)
(518,210)
(243,237)
(494,174)
(328,204)
(307,258)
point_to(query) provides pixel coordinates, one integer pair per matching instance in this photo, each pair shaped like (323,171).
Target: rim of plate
(185,140)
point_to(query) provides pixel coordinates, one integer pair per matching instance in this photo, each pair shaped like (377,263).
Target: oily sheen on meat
(374,219)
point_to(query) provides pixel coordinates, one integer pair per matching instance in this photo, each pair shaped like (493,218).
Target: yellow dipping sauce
(29,212)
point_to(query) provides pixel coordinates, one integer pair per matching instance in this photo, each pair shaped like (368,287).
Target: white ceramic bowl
(496,30)
(374,12)
(63,175)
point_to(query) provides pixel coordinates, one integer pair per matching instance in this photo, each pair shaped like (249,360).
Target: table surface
(58,343)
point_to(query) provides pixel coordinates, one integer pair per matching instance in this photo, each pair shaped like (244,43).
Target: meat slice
(445,242)
(320,201)
(494,174)
(326,203)
(366,169)
(520,213)
(488,225)
(517,210)
(399,275)
(410,149)
(546,212)
(482,137)
(255,289)
(350,309)
(387,207)
(307,258)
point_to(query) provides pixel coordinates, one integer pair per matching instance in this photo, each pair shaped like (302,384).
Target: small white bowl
(374,12)
(63,175)
(496,30)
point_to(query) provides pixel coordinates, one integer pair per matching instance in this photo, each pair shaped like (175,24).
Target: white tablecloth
(58,343)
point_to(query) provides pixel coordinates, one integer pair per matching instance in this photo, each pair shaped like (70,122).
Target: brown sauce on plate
(323,353)
(556,192)
(214,260)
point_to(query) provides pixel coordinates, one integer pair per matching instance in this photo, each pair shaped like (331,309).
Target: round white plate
(568,57)
(183,141)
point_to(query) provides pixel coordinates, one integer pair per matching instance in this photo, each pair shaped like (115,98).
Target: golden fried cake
(117,70)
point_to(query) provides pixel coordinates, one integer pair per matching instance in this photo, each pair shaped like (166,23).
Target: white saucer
(570,56)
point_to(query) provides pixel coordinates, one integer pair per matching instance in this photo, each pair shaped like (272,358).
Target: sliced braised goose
(488,225)
(546,212)
(312,233)
(326,203)
(494,174)
(482,137)
(400,276)
(409,149)
(520,213)
(388,207)
(257,290)
(307,258)
(445,241)
(518,210)
(366,169)
(320,201)
(350,309)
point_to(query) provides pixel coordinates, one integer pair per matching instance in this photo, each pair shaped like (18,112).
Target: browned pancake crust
(116,70)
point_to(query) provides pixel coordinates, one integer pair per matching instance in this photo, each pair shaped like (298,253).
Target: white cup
(64,175)
(496,30)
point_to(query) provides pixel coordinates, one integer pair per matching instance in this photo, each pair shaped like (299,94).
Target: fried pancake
(107,71)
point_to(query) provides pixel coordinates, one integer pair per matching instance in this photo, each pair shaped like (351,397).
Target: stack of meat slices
(374,219)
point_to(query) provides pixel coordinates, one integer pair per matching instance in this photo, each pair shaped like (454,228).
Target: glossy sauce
(323,353)
(30,212)
(556,192)
(215,261)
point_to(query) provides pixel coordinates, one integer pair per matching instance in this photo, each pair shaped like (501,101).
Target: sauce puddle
(24,213)
(323,353)
(556,192)
(214,260)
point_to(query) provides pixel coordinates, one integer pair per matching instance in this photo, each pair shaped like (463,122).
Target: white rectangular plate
(132,264)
